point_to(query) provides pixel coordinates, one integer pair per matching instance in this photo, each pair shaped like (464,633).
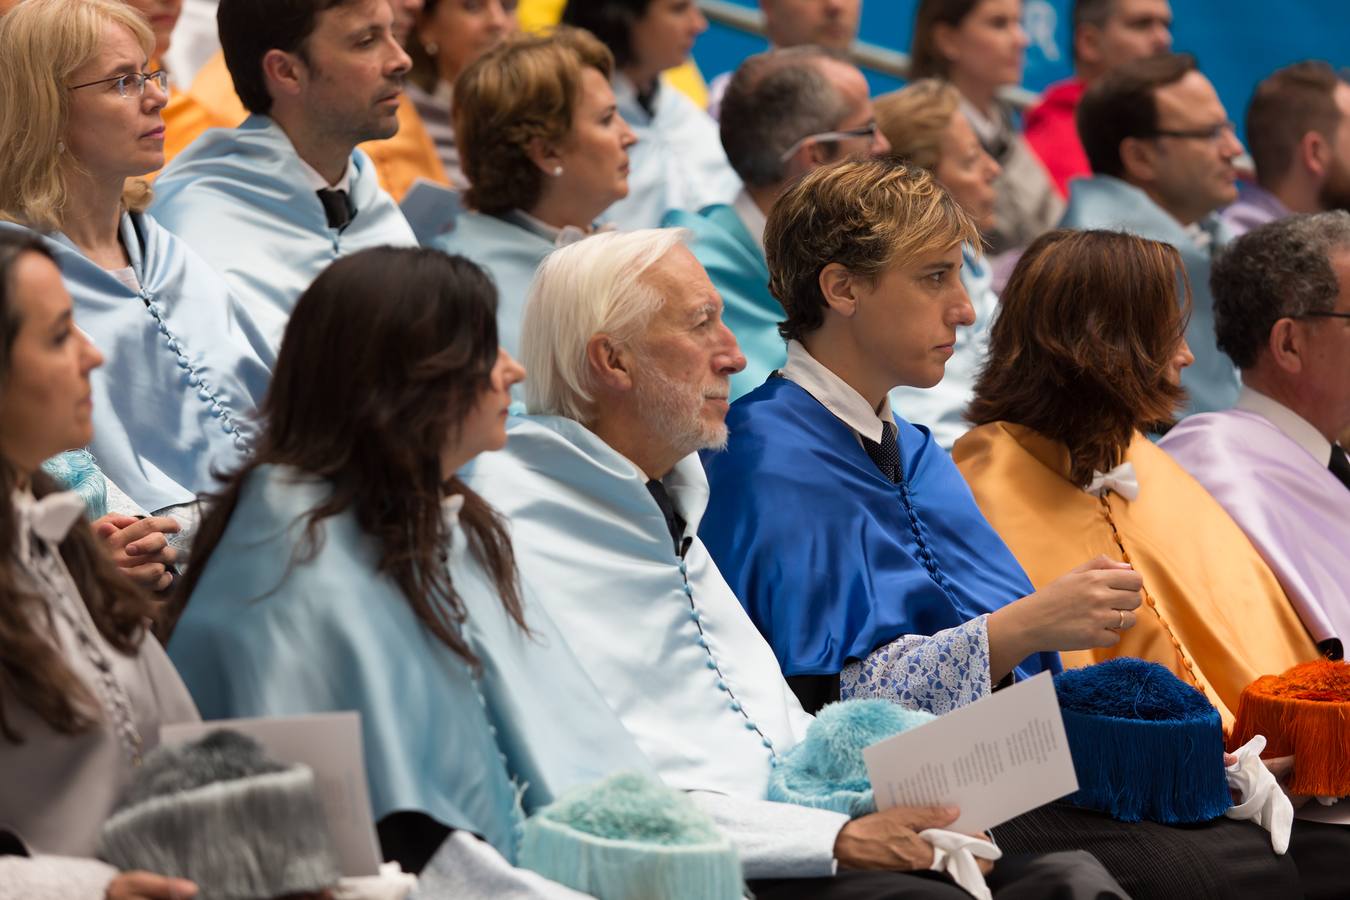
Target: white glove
(955,854)
(1262,799)
(391,884)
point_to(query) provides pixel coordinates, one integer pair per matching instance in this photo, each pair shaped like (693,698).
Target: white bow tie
(1121,479)
(956,853)
(50,518)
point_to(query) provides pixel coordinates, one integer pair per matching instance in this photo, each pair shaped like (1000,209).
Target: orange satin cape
(1218,605)
(212,103)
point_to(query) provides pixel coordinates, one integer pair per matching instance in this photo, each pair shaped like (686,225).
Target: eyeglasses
(866,131)
(1208,133)
(132,84)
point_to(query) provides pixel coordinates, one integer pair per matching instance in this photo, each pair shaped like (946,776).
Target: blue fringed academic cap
(826,770)
(631,838)
(1146,745)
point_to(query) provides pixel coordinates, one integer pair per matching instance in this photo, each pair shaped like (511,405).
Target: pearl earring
(557,172)
(432,48)
(60,147)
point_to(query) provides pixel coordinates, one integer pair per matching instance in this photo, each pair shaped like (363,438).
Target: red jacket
(1052,133)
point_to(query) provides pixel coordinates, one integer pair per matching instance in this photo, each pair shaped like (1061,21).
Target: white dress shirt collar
(834,394)
(318,183)
(1295,427)
(751,216)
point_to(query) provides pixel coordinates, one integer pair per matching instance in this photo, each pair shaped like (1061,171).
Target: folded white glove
(391,884)
(1262,799)
(955,854)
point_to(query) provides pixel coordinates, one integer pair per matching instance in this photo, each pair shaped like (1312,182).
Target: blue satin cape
(262,638)
(182,372)
(240,198)
(818,544)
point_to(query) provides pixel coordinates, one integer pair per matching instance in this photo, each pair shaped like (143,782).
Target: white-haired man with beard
(603,490)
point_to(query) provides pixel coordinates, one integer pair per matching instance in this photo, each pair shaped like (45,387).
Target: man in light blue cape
(1162,149)
(1281,300)
(604,494)
(273,202)
(183,373)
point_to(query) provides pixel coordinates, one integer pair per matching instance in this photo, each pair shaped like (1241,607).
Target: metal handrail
(882,60)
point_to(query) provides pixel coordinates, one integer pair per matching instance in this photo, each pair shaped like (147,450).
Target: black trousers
(1215,860)
(1052,876)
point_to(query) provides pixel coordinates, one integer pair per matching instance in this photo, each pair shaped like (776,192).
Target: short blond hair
(522,91)
(43,42)
(915,118)
(865,215)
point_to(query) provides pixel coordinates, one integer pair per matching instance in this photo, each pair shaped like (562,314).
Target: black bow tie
(1340,464)
(338,206)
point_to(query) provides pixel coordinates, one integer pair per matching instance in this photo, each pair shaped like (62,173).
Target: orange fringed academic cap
(1304,712)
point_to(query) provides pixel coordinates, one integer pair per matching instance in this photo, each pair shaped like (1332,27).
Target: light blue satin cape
(263,637)
(1105,202)
(677,163)
(181,374)
(822,548)
(240,198)
(661,636)
(510,254)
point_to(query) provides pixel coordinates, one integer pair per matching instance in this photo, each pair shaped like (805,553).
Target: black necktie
(674,521)
(338,206)
(1340,464)
(886,454)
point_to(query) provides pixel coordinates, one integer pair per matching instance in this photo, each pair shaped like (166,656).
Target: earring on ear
(60,147)
(557,171)
(431,47)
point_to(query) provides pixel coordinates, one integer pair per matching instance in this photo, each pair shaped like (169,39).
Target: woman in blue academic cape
(347,567)
(546,151)
(80,121)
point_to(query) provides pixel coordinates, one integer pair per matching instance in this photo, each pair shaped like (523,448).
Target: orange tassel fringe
(1304,712)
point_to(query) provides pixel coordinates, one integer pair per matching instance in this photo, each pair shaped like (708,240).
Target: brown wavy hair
(384,357)
(524,90)
(33,670)
(1080,349)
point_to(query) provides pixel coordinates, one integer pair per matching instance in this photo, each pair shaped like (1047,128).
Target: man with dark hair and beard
(272,203)
(1298,132)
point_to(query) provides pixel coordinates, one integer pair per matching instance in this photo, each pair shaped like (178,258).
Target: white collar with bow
(50,518)
(1121,479)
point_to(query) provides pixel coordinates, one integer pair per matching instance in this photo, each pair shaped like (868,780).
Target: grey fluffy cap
(222,813)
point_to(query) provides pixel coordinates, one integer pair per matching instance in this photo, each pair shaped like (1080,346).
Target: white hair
(591,287)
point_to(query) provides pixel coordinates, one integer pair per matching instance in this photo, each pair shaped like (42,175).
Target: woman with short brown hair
(546,152)
(1084,359)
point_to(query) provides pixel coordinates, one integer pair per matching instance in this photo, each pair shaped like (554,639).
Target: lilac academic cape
(1293,509)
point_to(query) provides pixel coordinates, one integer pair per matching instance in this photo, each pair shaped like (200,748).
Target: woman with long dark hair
(1085,358)
(83,687)
(346,566)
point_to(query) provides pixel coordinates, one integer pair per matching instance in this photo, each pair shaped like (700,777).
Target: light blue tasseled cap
(826,770)
(630,837)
